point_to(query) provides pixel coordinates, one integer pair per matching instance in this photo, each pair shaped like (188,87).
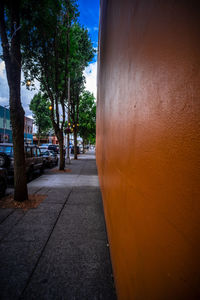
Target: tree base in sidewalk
(61,171)
(33,202)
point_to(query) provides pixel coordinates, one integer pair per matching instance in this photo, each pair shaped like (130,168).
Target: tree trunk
(75,143)
(17,121)
(39,135)
(62,154)
(83,146)
(39,140)
(12,58)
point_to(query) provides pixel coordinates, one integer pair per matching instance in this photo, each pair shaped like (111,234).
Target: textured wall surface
(148,145)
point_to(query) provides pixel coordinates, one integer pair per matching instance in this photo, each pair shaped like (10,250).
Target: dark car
(50,158)
(6,155)
(33,159)
(3,181)
(54,148)
(72,150)
(55,156)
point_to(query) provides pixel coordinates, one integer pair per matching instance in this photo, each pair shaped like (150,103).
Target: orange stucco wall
(148,145)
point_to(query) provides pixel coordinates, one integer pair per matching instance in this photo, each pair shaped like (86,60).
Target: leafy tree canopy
(81,49)
(87,117)
(40,107)
(47,58)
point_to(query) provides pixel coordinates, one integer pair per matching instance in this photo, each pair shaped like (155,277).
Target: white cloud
(30,117)
(26,95)
(89,29)
(90,74)
(2,69)
(3,101)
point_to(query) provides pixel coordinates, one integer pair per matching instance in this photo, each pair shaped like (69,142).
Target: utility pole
(68,120)
(67,58)
(4,123)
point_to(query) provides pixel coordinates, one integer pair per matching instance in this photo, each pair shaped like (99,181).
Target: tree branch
(4,37)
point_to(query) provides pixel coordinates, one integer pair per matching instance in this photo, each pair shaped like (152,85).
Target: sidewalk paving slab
(9,222)
(60,249)
(4,213)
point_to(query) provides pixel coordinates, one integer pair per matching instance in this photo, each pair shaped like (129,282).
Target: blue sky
(89,18)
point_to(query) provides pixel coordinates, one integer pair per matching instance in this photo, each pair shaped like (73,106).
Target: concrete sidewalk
(60,249)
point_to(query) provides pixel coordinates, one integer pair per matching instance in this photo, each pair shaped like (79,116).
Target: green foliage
(56,47)
(40,107)
(45,49)
(54,44)
(81,50)
(81,53)
(87,117)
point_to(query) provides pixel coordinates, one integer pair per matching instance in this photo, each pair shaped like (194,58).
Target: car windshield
(43,150)
(45,153)
(7,150)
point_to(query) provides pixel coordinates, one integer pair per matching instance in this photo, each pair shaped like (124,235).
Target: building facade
(48,139)
(28,130)
(6,129)
(5,125)
(148,145)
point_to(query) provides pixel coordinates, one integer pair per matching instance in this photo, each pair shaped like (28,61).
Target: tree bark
(38,140)
(12,58)
(17,121)
(62,154)
(83,146)
(75,143)
(39,135)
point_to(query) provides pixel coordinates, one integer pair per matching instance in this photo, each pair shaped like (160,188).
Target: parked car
(3,181)
(6,155)
(50,158)
(33,159)
(72,150)
(54,148)
(55,155)
(80,149)
(43,149)
(54,158)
